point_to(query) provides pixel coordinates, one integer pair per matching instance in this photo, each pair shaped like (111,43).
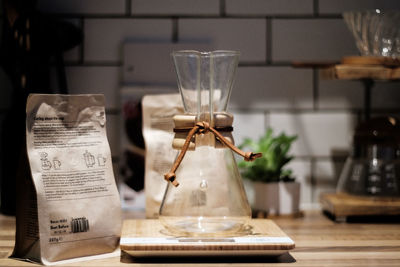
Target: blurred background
(126,45)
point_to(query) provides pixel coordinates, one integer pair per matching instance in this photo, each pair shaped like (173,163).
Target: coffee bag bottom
(68,204)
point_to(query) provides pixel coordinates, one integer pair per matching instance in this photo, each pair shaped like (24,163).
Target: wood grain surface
(340,204)
(357,72)
(371,60)
(257,228)
(356,68)
(319,242)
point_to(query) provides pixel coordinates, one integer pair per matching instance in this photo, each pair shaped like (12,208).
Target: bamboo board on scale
(143,238)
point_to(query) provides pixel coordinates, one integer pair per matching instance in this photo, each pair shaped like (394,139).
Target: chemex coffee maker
(373,169)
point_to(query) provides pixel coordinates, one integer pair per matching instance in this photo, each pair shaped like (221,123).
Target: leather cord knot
(170,176)
(250,156)
(202,128)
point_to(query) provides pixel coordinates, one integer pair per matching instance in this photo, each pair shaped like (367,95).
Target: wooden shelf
(356,68)
(359,72)
(342,205)
(360,68)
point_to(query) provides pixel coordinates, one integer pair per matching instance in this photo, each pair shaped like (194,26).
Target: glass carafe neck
(205,80)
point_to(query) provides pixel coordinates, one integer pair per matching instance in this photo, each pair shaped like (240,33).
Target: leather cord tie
(202,128)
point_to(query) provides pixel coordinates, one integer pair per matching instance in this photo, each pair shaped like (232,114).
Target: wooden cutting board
(143,238)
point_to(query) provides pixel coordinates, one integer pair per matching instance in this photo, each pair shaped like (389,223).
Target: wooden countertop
(319,242)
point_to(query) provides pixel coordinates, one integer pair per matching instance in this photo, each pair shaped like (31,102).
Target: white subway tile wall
(268,92)
(339,6)
(86,7)
(272,87)
(271,7)
(386,95)
(139,64)
(95,80)
(104,37)
(311,39)
(302,172)
(246,35)
(334,94)
(320,134)
(175,7)
(326,174)
(139,61)
(248,125)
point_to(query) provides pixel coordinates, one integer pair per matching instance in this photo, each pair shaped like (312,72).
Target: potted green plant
(273,187)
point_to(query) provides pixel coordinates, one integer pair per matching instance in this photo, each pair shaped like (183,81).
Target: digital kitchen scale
(144,238)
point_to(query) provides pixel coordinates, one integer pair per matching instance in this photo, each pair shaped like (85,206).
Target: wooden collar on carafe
(202,128)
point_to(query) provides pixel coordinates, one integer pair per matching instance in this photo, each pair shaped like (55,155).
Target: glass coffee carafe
(210,199)
(373,169)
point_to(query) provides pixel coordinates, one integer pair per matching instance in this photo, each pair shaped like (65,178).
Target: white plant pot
(279,198)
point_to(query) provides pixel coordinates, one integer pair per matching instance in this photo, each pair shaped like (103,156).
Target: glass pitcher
(210,199)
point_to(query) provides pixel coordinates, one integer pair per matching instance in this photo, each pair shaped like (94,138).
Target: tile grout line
(128,7)
(316,8)
(267,119)
(222,15)
(222,8)
(315,89)
(82,48)
(312,178)
(175,30)
(268,41)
